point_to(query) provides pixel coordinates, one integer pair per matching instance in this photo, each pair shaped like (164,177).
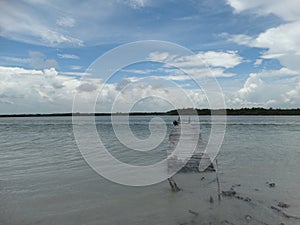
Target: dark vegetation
(242,111)
(188,111)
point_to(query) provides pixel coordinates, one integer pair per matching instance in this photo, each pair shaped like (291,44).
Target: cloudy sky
(252,48)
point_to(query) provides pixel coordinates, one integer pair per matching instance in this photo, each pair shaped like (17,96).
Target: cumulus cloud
(147,97)
(35,90)
(51,91)
(123,83)
(274,88)
(282,42)
(288,10)
(87,87)
(293,96)
(228,59)
(252,87)
(282,72)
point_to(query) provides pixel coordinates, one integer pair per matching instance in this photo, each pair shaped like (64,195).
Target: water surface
(44,179)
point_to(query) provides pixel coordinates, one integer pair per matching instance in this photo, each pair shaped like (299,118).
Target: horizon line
(206,111)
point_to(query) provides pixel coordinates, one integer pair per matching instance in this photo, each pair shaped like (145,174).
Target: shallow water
(44,179)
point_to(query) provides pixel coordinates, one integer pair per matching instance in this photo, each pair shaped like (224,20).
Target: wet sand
(198,203)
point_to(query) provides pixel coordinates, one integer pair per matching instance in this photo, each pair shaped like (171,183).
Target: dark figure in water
(173,185)
(175,123)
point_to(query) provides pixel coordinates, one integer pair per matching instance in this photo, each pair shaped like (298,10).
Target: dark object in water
(229,193)
(285,214)
(246,199)
(211,200)
(175,123)
(283,205)
(193,212)
(173,185)
(272,184)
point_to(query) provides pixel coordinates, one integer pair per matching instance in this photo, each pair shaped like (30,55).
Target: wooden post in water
(173,184)
(218,182)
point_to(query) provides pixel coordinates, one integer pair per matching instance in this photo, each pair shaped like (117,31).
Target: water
(44,179)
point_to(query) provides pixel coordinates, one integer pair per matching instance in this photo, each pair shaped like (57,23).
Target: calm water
(44,179)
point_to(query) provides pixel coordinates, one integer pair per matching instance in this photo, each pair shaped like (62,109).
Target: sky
(251,47)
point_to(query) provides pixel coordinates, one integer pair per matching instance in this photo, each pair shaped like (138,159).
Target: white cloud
(50,91)
(81,74)
(18,71)
(228,59)
(136,4)
(16,59)
(159,56)
(274,88)
(50,72)
(258,62)
(90,22)
(3,101)
(293,96)
(38,60)
(288,9)
(24,90)
(18,21)
(75,67)
(176,77)
(198,64)
(68,56)
(252,86)
(282,72)
(63,23)
(148,97)
(135,71)
(241,39)
(282,42)
(55,38)
(66,21)
(87,87)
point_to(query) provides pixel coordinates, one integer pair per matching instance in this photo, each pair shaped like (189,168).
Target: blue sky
(252,47)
